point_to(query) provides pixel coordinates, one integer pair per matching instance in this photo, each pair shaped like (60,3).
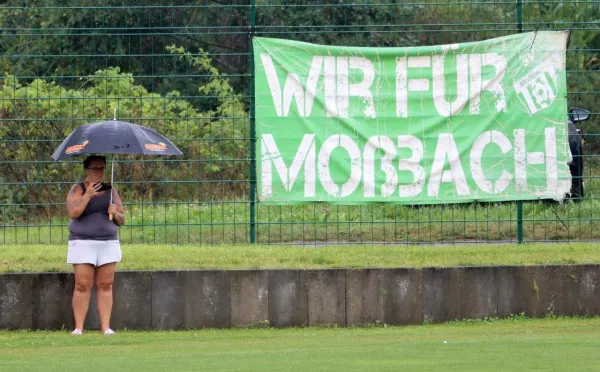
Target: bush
(38,115)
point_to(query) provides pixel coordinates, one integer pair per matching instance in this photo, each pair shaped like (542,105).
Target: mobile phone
(105,186)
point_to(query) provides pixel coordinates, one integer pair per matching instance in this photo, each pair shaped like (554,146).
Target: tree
(75,39)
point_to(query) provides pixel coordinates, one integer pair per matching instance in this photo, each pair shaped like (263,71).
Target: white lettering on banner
(338,89)
(551,161)
(554,184)
(468,74)
(413,165)
(446,149)
(330,144)
(345,90)
(443,107)
(480,143)
(520,162)
(403,85)
(363,89)
(330,89)
(494,85)
(362,165)
(341,93)
(292,87)
(305,156)
(524,158)
(391,176)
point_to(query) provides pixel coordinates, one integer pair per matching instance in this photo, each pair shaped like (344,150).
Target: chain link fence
(184,68)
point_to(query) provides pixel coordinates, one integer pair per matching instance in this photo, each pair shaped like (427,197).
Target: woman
(94,247)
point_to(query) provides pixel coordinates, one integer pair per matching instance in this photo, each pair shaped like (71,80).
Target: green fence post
(519,221)
(252,129)
(519,202)
(519,16)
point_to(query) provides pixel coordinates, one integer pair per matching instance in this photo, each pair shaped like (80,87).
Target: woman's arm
(116,209)
(77,200)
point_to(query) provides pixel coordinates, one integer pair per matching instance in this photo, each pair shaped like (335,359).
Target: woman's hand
(92,191)
(116,209)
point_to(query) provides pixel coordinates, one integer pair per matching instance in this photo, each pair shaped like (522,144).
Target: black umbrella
(114,137)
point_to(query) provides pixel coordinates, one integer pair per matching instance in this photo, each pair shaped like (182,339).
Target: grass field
(556,344)
(35,258)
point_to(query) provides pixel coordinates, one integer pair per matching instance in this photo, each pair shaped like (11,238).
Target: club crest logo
(76,148)
(539,86)
(158,147)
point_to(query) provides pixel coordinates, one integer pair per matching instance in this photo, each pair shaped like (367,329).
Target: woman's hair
(89,159)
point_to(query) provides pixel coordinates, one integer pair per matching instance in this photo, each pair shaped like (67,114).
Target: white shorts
(94,252)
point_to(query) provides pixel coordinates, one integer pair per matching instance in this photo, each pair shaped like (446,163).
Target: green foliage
(39,114)
(42,38)
(334,23)
(520,317)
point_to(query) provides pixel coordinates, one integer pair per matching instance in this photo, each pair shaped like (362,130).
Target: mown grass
(40,258)
(557,344)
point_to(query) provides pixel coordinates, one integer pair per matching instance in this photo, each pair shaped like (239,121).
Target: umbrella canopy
(114,137)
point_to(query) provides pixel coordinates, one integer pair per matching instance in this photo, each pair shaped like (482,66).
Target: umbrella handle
(112,174)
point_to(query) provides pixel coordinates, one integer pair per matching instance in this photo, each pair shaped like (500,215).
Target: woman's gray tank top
(93,224)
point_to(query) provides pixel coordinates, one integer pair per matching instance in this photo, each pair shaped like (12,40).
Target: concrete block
(288,299)
(402,296)
(184,299)
(588,303)
(170,291)
(209,300)
(554,290)
(132,300)
(326,297)
(249,297)
(16,301)
(478,293)
(514,290)
(364,297)
(52,295)
(440,294)
(538,290)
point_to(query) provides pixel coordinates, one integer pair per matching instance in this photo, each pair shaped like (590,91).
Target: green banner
(479,121)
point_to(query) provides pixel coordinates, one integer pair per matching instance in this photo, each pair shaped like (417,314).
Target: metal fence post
(519,202)
(252,129)
(519,221)
(519,16)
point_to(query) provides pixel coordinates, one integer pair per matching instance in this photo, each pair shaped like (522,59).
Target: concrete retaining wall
(282,298)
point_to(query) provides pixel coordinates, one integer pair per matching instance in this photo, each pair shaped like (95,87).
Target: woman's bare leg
(105,275)
(84,279)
